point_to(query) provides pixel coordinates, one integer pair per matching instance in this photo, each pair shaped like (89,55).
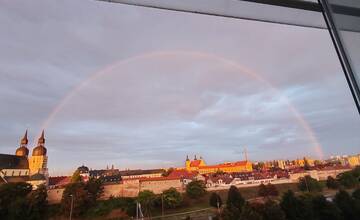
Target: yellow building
(21,168)
(38,160)
(353,161)
(200,166)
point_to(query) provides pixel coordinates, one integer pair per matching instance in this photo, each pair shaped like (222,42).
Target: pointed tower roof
(41,139)
(187,158)
(24,140)
(40,150)
(23,150)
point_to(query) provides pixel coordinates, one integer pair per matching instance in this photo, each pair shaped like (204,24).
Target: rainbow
(196,55)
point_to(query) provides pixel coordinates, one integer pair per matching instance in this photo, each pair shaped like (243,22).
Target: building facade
(200,166)
(22,168)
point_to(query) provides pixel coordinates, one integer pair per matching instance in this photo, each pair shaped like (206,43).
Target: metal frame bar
(345,64)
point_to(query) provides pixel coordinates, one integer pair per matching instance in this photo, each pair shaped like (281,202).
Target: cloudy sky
(142,88)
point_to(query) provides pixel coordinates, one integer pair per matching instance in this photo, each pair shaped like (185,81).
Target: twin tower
(38,160)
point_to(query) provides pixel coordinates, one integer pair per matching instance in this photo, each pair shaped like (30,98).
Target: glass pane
(346,15)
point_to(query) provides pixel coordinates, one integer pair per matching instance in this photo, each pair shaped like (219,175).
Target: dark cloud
(154,111)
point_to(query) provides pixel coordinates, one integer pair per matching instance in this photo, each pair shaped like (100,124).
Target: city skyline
(71,68)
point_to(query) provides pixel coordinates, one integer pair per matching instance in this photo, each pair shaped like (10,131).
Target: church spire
(41,140)
(187,158)
(24,140)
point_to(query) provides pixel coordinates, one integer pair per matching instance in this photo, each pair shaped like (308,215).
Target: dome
(39,151)
(22,151)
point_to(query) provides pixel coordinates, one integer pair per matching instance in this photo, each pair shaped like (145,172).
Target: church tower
(23,150)
(38,160)
(187,163)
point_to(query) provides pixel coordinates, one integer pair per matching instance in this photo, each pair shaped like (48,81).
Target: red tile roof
(195,163)
(224,165)
(158,178)
(183,174)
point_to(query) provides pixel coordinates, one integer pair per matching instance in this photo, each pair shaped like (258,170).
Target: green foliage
(356,194)
(104,207)
(235,198)
(37,203)
(75,178)
(76,193)
(215,200)
(348,179)
(310,184)
(268,190)
(332,183)
(146,198)
(83,195)
(272,211)
(249,213)
(196,189)
(18,201)
(346,204)
(95,189)
(13,200)
(296,208)
(325,210)
(234,204)
(172,198)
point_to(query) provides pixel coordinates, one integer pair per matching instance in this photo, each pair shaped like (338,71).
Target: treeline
(19,201)
(306,206)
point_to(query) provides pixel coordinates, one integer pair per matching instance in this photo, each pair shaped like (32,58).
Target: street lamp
(71,205)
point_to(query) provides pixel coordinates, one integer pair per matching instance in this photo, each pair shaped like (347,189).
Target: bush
(267,190)
(346,204)
(272,211)
(196,189)
(348,179)
(332,183)
(310,184)
(172,198)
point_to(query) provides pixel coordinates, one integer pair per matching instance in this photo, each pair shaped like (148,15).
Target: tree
(77,193)
(172,198)
(332,183)
(215,200)
(272,211)
(95,189)
(248,213)
(310,184)
(346,204)
(196,189)
(348,179)
(290,205)
(13,202)
(325,210)
(267,190)
(234,204)
(146,199)
(75,178)
(37,203)
(356,194)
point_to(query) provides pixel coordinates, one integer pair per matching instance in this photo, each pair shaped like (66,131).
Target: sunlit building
(200,166)
(22,168)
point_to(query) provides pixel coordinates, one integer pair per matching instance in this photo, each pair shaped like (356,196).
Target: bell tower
(38,160)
